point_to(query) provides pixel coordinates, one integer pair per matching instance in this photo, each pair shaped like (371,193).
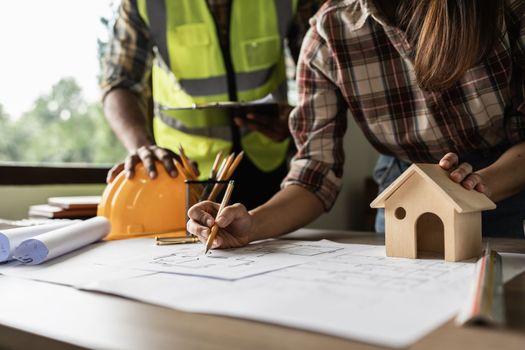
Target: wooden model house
(428,214)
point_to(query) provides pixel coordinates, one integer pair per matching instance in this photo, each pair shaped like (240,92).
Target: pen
(215,228)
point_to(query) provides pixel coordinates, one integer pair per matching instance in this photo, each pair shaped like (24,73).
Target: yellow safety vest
(191,68)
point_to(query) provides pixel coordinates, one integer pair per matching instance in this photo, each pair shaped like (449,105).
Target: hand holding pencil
(215,228)
(231,225)
(210,191)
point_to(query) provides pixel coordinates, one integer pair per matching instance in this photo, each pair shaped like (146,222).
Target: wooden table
(42,315)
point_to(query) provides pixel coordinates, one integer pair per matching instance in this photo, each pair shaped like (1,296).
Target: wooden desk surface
(42,315)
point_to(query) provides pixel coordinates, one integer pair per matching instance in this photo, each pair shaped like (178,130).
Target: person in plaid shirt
(426,81)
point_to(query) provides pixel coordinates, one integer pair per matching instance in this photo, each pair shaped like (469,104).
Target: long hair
(449,36)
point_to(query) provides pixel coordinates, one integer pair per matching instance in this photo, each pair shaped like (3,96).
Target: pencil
(221,176)
(186,163)
(215,228)
(194,190)
(183,170)
(213,173)
(175,240)
(234,165)
(227,172)
(215,166)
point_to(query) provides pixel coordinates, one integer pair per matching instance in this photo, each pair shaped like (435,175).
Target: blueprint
(228,264)
(347,290)
(351,291)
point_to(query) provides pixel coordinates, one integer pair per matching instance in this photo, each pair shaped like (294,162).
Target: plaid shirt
(353,61)
(128,59)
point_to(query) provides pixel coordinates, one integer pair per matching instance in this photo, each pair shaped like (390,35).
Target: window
(50,110)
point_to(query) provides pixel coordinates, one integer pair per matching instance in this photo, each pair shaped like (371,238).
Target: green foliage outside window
(61,127)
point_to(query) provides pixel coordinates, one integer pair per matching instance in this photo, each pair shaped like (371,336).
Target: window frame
(51,174)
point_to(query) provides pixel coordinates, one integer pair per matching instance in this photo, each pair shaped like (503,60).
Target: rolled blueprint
(51,244)
(10,238)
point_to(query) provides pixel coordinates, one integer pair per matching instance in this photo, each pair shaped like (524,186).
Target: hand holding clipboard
(269,118)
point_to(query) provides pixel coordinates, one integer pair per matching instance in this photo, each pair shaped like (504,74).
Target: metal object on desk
(175,240)
(486,303)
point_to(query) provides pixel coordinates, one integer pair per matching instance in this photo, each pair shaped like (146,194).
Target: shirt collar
(371,9)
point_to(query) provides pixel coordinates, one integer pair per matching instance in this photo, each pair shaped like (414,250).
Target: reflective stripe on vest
(215,85)
(222,132)
(210,124)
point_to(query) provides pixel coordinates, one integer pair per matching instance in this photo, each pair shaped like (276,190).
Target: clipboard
(234,109)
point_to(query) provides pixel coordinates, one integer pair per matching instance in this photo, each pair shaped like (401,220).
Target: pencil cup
(198,191)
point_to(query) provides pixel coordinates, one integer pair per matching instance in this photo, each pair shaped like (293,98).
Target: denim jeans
(507,220)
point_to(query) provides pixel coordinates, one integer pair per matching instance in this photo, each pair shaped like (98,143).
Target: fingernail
(152,174)
(209,222)
(468,184)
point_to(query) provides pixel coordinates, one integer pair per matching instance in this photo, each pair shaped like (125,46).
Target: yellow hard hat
(143,207)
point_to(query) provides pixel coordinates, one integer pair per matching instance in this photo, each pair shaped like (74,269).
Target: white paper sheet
(354,293)
(80,266)
(63,240)
(11,238)
(229,264)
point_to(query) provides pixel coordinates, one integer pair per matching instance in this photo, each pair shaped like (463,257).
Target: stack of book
(66,207)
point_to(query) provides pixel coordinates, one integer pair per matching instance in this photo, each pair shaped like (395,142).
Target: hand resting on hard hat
(275,128)
(235,224)
(148,155)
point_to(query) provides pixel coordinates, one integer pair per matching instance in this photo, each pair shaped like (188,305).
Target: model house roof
(463,200)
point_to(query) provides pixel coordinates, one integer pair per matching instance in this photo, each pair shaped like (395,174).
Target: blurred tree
(61,127)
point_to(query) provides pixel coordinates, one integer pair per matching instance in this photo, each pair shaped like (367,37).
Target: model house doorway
(430,236)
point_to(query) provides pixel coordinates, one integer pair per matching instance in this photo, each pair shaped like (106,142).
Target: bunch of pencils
(221,171)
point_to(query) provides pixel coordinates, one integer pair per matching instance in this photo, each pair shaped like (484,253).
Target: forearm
(126,118)
(291,208)
(506,176)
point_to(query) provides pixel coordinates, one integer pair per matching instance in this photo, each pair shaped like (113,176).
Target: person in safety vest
(173,54)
